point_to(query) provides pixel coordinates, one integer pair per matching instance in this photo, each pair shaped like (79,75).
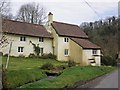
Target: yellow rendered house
(66,41)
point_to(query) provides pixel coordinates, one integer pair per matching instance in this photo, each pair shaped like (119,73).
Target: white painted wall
(87,54)
(28,47)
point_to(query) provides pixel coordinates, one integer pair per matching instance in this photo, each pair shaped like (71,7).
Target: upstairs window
(66,52)
(20,49)
(41,39)
(22,38)
(94,52)
(66,40)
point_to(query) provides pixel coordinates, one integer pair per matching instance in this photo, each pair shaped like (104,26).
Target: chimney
(50,18)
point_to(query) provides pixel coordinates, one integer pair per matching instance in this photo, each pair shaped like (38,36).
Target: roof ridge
(22,22)
(65,23)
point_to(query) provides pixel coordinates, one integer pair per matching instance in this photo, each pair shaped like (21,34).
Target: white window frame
(66,39)
(94,52)
(66,52)
(20,49)
(41,39)
(22,38)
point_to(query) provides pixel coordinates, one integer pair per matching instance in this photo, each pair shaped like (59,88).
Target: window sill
(96,55)
(66,55)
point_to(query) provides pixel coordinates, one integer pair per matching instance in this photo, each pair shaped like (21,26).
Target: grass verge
(17,78)
(70,76)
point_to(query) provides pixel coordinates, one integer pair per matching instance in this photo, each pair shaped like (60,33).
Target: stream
(47,78)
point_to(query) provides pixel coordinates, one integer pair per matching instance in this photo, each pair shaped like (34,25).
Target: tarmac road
(110,81)
(107,81)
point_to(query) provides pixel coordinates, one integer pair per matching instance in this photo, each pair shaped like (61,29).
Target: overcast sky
(74,11)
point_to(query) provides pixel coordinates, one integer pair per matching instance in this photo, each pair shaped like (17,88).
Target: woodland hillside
(105,34)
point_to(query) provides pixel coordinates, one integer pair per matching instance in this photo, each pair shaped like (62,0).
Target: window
(41,39)
(66,52)
(94,52)
(22,38)
(41,50)
(66,39)
(20,49)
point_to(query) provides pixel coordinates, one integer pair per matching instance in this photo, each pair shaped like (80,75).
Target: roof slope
(23,28)
(70,30)
(85,43)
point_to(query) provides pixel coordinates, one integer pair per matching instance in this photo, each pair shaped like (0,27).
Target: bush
(21,55)
(61,67)
(32,55)
(5,55)
(48,56)
(71,63)
(108,61)
(47,66)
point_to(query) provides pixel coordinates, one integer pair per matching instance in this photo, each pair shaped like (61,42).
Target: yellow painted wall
(61,48)
(75,52)
(28,47)
(59,45)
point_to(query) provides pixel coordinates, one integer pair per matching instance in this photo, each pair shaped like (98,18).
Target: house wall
(76,52)
(59,45)
(87,54)
(61,48)
(28,47)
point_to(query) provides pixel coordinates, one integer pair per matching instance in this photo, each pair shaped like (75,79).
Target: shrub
(71,63)
(21,55)
(47,66)
(108,61)
(61,67)
(48,56)
(5,55)
(1,54)
(31,55)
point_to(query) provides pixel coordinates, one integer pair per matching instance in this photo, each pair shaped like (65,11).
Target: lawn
(25,70)
(28,63)
(70,76)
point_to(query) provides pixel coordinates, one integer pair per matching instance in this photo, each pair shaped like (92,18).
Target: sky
(73,11)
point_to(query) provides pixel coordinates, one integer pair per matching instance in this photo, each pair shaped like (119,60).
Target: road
(107,81)
(110,81)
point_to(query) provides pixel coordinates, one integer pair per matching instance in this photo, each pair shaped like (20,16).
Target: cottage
(66,41)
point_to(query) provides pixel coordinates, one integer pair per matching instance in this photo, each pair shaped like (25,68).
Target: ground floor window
(41,50)
(20,49)
(66,52)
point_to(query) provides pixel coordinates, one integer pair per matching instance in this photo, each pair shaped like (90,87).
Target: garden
(33,73)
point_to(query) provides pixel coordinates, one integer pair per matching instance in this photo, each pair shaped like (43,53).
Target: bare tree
(31,13)
(4,8)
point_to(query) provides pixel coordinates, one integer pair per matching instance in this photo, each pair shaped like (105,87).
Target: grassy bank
(25,70)
(70,76)
(17,78)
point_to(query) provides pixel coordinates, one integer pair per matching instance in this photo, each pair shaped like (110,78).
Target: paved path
(106,81)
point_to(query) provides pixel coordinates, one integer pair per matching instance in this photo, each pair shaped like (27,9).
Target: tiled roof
(70,30)
(85,43)
(23,28)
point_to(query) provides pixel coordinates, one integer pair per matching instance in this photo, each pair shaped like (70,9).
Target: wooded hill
(105,34)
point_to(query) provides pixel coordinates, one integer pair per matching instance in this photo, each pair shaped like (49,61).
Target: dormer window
(22,38)
(66,39)
(41,39)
